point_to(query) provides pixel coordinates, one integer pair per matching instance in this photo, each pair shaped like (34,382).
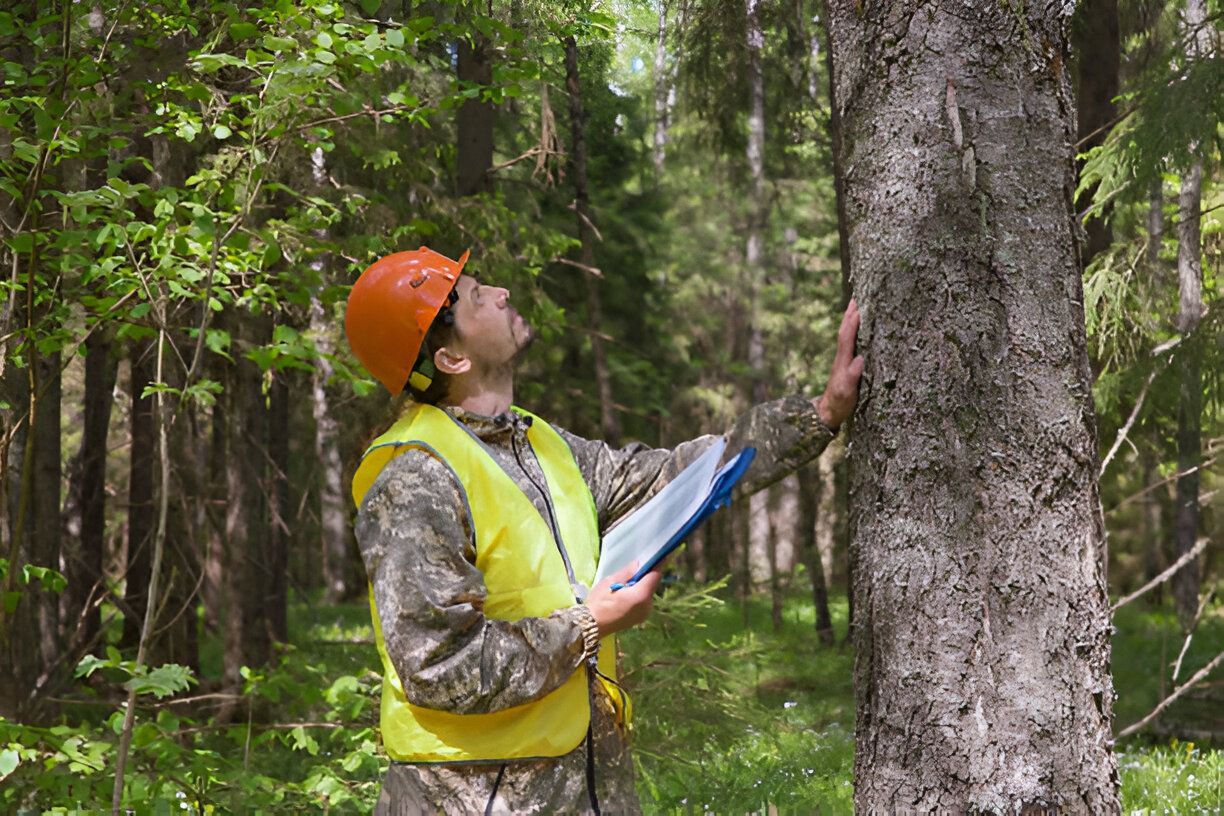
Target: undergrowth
(729,717)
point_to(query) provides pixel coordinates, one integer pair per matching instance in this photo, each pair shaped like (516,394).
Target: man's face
(491,331)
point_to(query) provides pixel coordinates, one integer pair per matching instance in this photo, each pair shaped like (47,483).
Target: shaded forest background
(188,189)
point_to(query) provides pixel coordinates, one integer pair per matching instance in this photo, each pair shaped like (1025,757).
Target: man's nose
(503,296)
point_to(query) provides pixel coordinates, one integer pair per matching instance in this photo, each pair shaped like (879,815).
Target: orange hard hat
(391,307)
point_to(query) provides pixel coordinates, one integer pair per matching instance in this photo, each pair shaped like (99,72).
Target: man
(479,525)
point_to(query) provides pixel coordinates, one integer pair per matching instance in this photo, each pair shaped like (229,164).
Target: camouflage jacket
(417,544)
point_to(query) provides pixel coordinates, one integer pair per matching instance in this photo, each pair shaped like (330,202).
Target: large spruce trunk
(981,619)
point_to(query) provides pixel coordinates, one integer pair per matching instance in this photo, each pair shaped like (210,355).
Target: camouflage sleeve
(416,541)
(787,434)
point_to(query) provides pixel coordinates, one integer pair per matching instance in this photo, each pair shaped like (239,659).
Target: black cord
(496,784)
(590,746)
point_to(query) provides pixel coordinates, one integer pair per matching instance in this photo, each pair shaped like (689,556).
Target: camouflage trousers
(540,786)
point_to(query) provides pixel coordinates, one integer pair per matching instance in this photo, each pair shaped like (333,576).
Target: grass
(729,716)
(736,718)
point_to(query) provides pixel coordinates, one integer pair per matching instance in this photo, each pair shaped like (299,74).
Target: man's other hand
(628,606)
(837,403)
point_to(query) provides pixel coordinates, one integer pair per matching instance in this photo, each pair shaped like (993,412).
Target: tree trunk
(837,160)
(759,538)
(141,513)
(339,578)
(474,121)
(608,421)
(1098,47)
(276,593)
(662,91)
(85,507)
(1190,392)
(812,491)
(828,511)
(1155,224)
(247,571)
(981,618)
(1190,313)
(781,526)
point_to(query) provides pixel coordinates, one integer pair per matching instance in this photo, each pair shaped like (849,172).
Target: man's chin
(526,341)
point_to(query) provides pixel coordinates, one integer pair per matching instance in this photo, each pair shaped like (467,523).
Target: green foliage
(1177,778)
(300,736)
(730,718)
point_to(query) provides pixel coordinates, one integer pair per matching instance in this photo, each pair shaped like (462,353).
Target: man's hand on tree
(629,606)
(837,403)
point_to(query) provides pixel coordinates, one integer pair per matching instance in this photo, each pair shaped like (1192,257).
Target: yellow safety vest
(526,576)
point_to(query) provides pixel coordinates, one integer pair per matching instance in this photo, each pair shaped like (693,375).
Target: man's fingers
(846,335)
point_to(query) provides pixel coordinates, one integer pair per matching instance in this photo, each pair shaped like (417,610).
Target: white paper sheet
(651,526)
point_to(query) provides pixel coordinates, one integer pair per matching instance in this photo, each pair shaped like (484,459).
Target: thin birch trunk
(759,538)
(338,576)
(982,626)
(662,90)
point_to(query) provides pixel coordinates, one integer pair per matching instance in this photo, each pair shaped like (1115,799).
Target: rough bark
(981,617)
(1098,47)
(474,120)
(609,422)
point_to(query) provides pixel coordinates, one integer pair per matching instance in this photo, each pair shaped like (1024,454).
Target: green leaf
(323,40)
(90,664)
(51,580)
(274,43)
(162,681)
(222,132)
(9,760)
(370,7)
(395,37)
(243,31)
(303,741)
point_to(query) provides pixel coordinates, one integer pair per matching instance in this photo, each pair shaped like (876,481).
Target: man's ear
(451,362)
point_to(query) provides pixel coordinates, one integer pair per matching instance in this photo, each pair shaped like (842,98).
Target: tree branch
(1166,702)
(1186,558)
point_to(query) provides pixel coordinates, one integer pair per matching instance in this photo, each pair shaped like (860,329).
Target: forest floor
(732,716)
(729,716)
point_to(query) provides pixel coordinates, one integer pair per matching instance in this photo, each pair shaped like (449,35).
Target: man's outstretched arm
(787,433)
